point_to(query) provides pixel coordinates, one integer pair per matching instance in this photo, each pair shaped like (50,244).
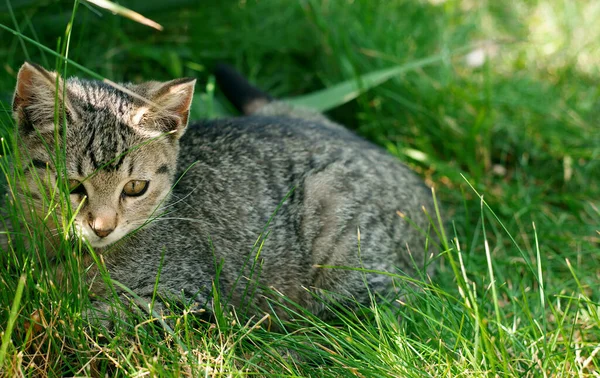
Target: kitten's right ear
(35,97)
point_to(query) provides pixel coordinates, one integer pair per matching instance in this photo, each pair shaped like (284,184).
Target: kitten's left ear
(170,108)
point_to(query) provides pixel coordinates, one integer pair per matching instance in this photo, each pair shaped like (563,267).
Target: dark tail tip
(245,97)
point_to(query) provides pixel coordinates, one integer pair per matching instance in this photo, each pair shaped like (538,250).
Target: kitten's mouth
(96,241)
(102,242)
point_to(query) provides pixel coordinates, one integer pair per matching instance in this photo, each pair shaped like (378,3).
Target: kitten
(156,195)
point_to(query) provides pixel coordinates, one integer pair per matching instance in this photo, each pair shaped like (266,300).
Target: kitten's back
(242,170)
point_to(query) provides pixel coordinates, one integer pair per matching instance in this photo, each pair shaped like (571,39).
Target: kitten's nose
(102,226)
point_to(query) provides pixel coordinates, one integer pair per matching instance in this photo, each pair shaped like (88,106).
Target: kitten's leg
(106,314)
(145,302)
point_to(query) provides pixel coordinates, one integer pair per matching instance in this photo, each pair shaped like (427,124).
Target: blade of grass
(12,319)
(493,285)
(348,90)
(52,52)
(506,231)
(65,59)
(125,12)
(148,308)
(14,20)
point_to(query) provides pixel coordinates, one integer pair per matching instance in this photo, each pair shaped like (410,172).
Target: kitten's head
(121,146)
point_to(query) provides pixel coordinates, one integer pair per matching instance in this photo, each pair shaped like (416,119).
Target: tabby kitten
(154,195)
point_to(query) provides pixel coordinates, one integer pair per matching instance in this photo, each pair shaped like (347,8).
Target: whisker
(179,218)
(182,199)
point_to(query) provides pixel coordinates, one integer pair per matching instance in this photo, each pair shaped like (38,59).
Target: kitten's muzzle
(102,227)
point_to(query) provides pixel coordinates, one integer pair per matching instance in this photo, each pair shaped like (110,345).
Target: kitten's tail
(245,97)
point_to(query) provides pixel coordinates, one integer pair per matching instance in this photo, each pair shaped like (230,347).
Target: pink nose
(101,227)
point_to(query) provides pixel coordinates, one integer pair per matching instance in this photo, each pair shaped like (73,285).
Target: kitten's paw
(103,316)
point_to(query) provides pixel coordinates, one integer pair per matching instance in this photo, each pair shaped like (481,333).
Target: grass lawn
(496,104)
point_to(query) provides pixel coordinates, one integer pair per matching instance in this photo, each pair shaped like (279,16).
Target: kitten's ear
(170,107)
(34,99)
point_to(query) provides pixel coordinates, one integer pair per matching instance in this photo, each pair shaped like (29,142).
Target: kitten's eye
(76,187)
(135,188)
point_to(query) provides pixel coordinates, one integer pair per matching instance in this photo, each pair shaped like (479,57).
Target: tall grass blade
(125,12)
(493,285)
(14,20)
(11,319)
(52,52)
(348,90)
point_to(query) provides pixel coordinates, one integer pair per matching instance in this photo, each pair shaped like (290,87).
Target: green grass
(512,147)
